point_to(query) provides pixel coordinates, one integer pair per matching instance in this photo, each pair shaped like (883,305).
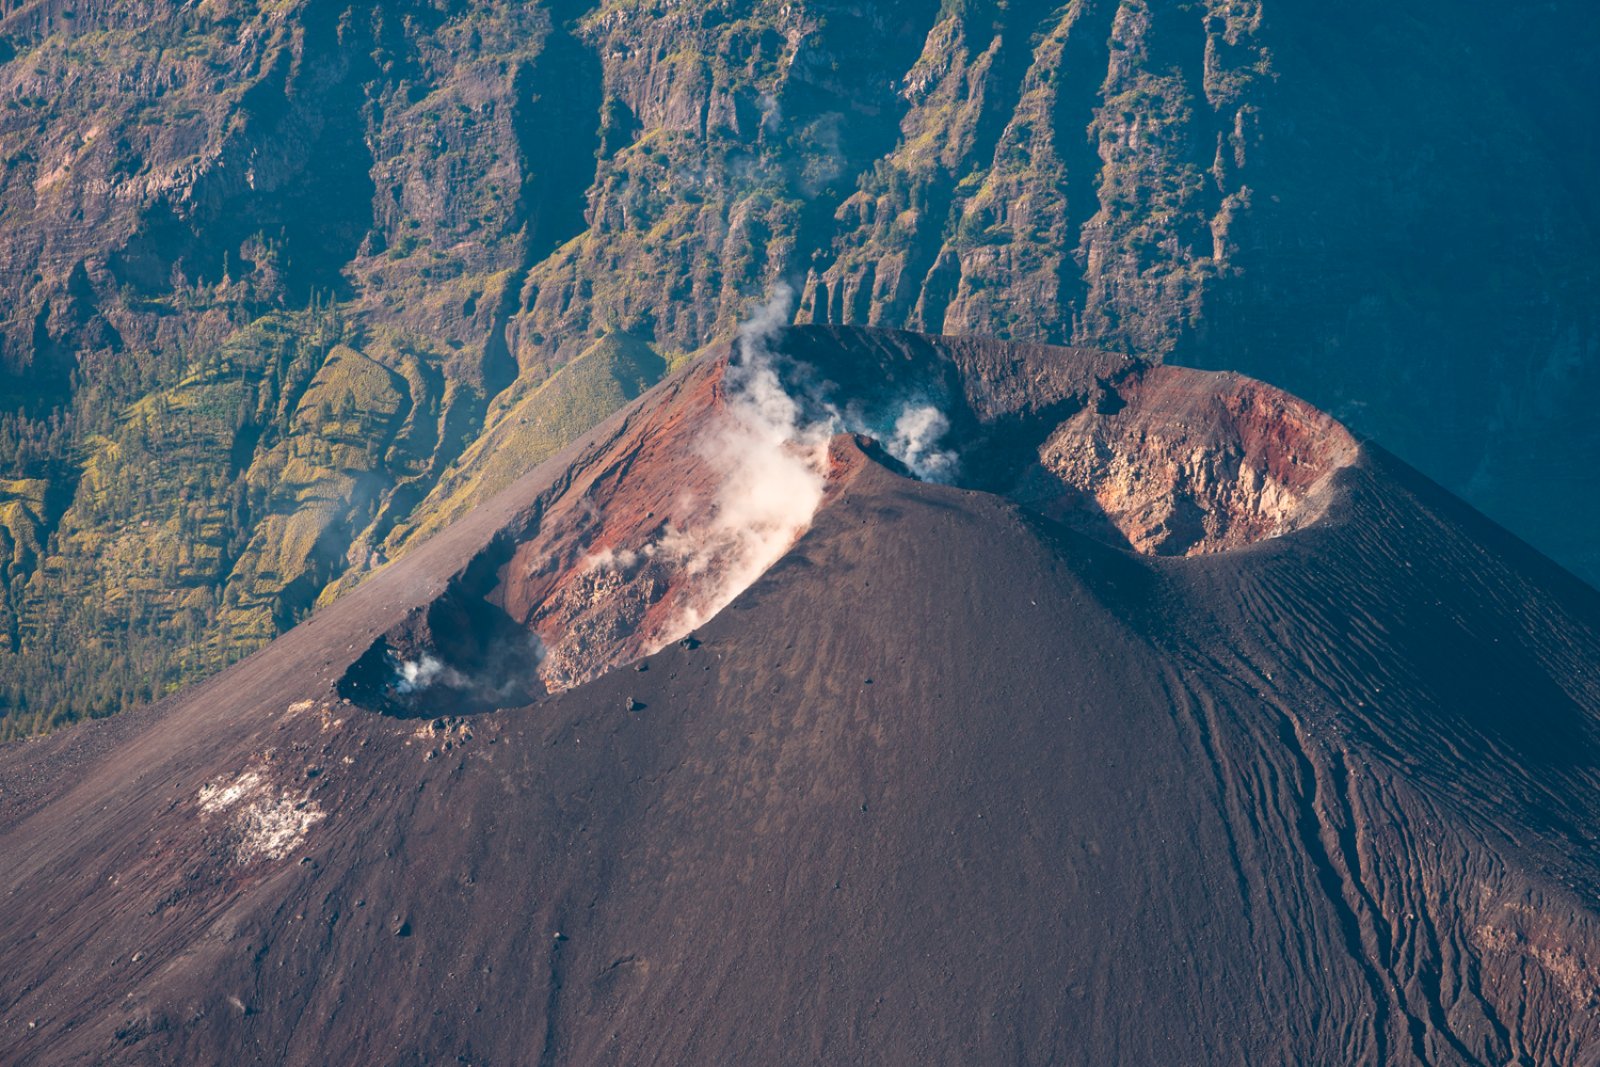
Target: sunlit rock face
(1182,463)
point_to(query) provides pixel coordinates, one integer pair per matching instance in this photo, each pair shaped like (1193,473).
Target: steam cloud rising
(915,442)
(502,673)
(771,452)
(412,676)
(774,466)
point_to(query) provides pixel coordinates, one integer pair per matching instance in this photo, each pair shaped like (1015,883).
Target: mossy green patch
(609,374)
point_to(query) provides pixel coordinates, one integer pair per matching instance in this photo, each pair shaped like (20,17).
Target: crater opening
(1185,463)
(459,655)
(655,530)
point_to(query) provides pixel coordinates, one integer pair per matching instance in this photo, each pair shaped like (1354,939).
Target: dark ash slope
(954,782)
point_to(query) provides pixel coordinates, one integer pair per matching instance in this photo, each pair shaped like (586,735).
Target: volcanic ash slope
(1057,708)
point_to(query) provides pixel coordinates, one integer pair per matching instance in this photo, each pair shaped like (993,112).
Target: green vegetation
(209,516)
(349,279)
(121,603)
(287,287)
(579,395)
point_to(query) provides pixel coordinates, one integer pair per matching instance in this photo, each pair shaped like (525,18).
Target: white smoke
(412,676)
(771,112)
(915,442)
(757,333)
(773,464)
(495,682)
(615,559)
(757,397)
(770,452)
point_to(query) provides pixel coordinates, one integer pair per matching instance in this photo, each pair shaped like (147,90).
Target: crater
(654,529)
(459,655)
(1175,462)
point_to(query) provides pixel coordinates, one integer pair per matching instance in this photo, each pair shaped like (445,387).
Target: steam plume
(501,672)
(915,442)
(769,450)
(773,464)
(412,676)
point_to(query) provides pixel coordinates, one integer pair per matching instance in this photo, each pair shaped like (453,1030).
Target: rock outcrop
(1180,463)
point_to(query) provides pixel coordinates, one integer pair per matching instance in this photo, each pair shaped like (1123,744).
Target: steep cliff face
(284,283)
